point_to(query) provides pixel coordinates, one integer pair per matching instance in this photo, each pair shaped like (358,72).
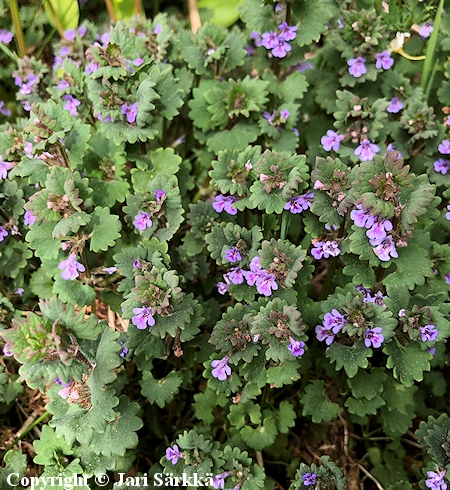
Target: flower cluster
(297,204)
(377,229)
(70,267)
(325,249)
(309,479)
(442,165)
(357,66)
(277,42)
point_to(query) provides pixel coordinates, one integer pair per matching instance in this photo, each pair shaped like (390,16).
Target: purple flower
(64,51)
(322,333)
(159,195)
(444,147)
(255,264)
(62,85)
(158,29)
(269,40)
(395,105)
(278,7)
(27,88)
(425,30)
(296,347)
(71,104)
(287,32)
(447,215)
(361,218)
(110,270)
(441,166)
(377,232)
(302,66)
(137,264)
(131,112)
(331,140)
(331,248)
(70,268)
(235,276)
(285,113)
(429,333)
(225,203)
(256,38)
(334,321)
(81,31)
(4,111)
(221,369)
(19,291)
(124,350)
(296,132)
(357,67)
(174,454)
(297,204)
(269,116)
(432,350)
(435,480)
(309,479)
(377,299)
(233,254)
(265,282)
(143,318)
(29,218)
(317,251)
(107,118)
(70,35)
(4,167)
(340,24)
(5,36)
(143,221)
(366,151)
(374,337)
(222,287)
(219,480)
(385,248)
(384,60)
(282,48)
(92,67)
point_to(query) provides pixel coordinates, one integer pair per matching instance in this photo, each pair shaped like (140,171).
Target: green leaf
(317,404)
(205,404)
(351,358)
(106,229)
(63,12)
(367,385)
(286,417)
(364,406)
(73,291)
(434,434)
(160,391)
(263,436)
(15,462)
(284,374)
(237,138)
(313,18)
(360,272)
(50,449)
(407,275)
(408,363)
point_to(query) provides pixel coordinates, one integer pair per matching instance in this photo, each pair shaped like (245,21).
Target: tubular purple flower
(70,35)
(269,40)
(374,337)
(159,195)
(92,67)
(235,276)
(377,233)
(357,66)
(386,250)
(222,287)
(331,140)
(395,105)
(366,151)
(256,38)
(281,49)
(62,85)
(70,268)
(309,479)
(317,251)
(384,60)
(124,350)
(71,104)
(322,333)
(444,147)
(435,480)
(131,111)
(442,166)
(221,369)
(4,168)
(287,32)
(334,321)
(233,255)
(29,218)
(265,282)
(174,454)
(5,36)
(285,114)
(361,218)
(296,347)
(4,111)
(137,264)
(225,203)
(143,221)
(447,215)
(143,318)
(19,291)
(429,333)
(219,480)
(425,30)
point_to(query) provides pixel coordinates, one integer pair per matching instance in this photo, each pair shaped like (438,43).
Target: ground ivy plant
(224,254)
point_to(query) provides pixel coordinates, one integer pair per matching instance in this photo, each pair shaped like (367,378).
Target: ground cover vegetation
(224,253)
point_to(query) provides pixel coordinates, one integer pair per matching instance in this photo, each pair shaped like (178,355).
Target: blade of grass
(431,47)
(36,10)
(8,52)
(45,42)
(18,31)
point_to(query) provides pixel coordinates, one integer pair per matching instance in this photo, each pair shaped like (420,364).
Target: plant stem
(110,9)
(9,53)
(57,20)
(30,428)
(285,221)
(47,39)
(431,48)
(20,40)
(36,10)
(379,274)
(326,286)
